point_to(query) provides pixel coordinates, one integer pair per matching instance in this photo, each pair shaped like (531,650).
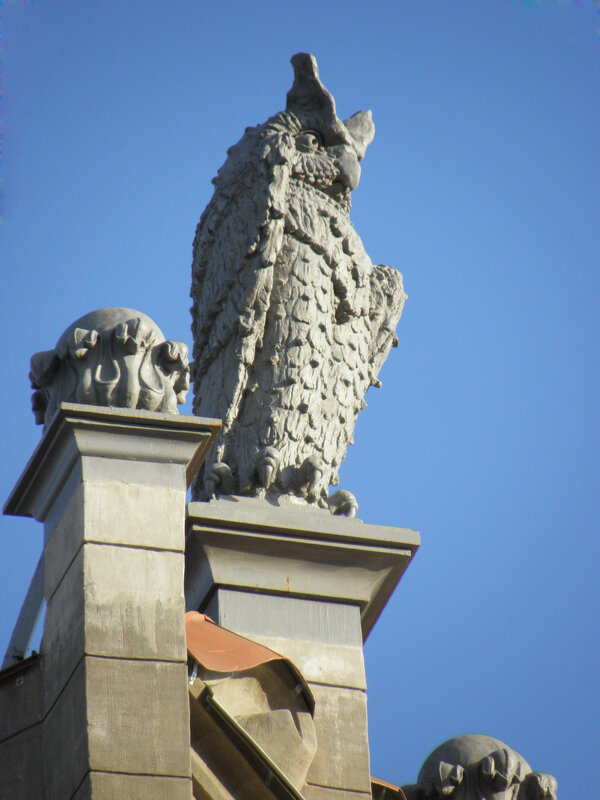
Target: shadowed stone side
(109,786)
(110,486)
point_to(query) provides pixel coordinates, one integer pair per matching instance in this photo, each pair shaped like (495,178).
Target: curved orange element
(396,789)
(221,650)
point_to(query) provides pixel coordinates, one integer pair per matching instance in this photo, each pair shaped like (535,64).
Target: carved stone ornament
(291,319)
(477,767)
(110,357)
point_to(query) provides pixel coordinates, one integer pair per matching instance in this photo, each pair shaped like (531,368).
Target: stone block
(138,717)
(20,700)
(110,717)
(65,740)
(21,766)
(311,792)
(63,539)
(115,513)
(114,601)
(134,605)
(342,759)
(335,664)
(63,642)
(108,786)
(143,516)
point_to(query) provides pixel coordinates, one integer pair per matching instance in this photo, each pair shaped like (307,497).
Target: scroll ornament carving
(110,357)
(477,767)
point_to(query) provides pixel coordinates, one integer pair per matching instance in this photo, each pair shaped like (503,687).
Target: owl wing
(237,243)
(387,302)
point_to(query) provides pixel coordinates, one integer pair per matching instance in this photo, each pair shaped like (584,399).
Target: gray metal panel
(289,617)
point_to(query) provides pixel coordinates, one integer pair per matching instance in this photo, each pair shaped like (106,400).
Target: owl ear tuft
(361,129)
(308,93)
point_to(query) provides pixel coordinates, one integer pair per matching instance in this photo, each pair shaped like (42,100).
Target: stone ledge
(249,545)
(254,514)
(111,785)
(121,434)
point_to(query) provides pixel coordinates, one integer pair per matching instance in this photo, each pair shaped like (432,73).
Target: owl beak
(347,163)
(361,129)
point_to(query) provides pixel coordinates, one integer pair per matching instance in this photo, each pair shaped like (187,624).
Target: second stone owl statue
(291,320)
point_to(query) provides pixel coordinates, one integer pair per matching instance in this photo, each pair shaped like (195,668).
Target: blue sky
(482,186)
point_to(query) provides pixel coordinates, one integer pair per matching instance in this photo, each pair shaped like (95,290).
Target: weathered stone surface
(110,357)
(115,513)
(309,586)
(60,550)
(64,733)
(114,656)
(63,640)
(114,601)
(232,779)
(342,759)
(266,702)
(21,773)
(479,767)
(311,792)
(207,785)
(133,707)
(293,553)
(331,664)
(291,320)
(134,606)
(117,715)
(109,786)
(108,445)
(20,700)
(250,513)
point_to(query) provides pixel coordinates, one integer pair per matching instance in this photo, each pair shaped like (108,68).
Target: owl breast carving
(291,320)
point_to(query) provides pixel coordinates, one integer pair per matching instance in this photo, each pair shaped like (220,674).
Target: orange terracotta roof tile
(221,650)
(396,789)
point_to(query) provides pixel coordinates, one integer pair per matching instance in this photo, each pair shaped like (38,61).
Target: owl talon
(218,477)
(342,502)
(267,465)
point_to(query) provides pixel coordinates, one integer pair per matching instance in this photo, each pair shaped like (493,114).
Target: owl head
(318,149)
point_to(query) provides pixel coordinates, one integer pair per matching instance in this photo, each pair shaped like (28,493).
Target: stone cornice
(250,545)
(79,431)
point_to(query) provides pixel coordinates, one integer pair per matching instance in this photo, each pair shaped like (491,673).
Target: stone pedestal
(109,485)
(309,586)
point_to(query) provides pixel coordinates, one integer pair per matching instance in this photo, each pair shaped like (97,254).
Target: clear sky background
(482,186)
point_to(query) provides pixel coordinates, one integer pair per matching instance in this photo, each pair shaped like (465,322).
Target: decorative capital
(478,767)
(110,357)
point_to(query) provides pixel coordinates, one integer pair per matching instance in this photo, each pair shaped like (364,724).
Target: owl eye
(308,141)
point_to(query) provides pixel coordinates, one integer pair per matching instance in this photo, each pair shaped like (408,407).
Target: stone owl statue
(291,320)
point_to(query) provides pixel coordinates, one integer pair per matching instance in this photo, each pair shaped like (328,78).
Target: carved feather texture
(291,320)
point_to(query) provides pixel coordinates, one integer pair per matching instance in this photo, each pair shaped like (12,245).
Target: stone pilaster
(110,485)
(309,586)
